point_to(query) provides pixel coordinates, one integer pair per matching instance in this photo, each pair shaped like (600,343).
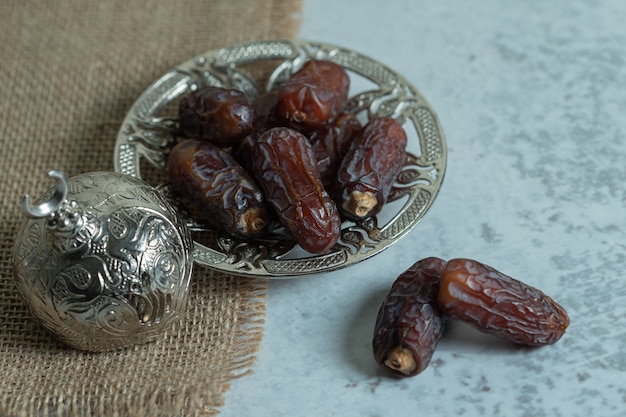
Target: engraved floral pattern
(147,135)
(116,277)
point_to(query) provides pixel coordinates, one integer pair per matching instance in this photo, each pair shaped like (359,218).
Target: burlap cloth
(69,72)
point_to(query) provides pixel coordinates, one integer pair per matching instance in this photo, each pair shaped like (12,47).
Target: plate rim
(173,83)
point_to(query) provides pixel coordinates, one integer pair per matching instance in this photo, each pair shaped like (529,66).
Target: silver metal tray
(149,129)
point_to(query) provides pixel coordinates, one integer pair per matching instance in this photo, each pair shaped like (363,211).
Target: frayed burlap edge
(46,126)
(109,393)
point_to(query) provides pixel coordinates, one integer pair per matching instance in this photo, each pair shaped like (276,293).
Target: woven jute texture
(69,72)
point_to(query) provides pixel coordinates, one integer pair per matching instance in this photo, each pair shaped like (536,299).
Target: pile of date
(291,157)
(413,316)
(294,157)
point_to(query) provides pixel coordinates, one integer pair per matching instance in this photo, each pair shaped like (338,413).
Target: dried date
(265,107)
(284,164)
(218,115)
(313,95)
(500,305)
(244,150)
(217,188)
(409,324)
(331,144)
(370,167)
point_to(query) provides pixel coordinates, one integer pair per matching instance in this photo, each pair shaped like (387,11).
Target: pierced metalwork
(148,130)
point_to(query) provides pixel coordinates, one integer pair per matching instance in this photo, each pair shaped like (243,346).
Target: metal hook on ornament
(48,207)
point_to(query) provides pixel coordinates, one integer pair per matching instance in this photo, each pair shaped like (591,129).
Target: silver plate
(149,128)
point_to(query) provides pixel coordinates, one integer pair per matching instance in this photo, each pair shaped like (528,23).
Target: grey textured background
(532,98)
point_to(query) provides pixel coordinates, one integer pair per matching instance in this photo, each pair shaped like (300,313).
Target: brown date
(244,150)
(500,305)
(409,324)
(370,167)
(218,115)
(265,107)
(284,165)
(331,144)
(313,95)
(217,187)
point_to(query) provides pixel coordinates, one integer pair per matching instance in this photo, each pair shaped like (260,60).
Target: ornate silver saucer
(150,127)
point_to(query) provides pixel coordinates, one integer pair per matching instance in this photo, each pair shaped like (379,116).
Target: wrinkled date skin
(409,323)
(218,115)
(284,164)
(218,188)
(370,167)
(331,144)
(500,305)
(313,95)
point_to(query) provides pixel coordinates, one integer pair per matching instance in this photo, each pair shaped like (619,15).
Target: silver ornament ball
(103,261)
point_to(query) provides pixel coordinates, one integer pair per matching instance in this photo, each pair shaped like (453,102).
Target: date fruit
(370,167)
(331,144)
(313,95)
(265,107)
(217,187)
(500,305)
(284,165)
(244,150)
(409,324)
(218,115)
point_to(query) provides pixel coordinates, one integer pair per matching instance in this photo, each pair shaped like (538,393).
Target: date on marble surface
(412,317)
(497,304)
(409,323)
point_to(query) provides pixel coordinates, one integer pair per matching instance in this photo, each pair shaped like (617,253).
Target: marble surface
(532,99)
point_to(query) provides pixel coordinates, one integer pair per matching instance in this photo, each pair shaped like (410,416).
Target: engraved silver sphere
(103,261)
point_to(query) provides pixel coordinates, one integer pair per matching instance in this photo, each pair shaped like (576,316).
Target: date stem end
(254,221)
(401,360)
(360,203)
